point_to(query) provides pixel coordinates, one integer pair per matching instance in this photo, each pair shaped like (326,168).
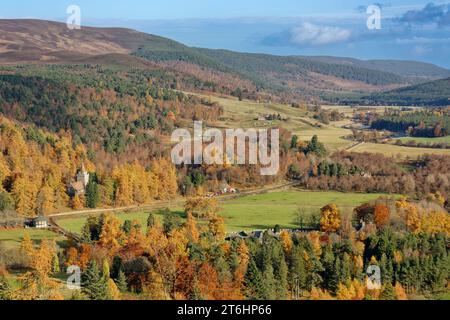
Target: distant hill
(429,94)
(45,42)
(411,69)
(434,93)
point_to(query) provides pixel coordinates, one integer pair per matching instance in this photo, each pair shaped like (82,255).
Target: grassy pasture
(331,135)
(393,150)
(258,211)
(12,238)
(267,210)
(76,223)
(426,140)
(242,114)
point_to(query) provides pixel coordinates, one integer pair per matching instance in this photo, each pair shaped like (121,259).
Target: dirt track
(167,203)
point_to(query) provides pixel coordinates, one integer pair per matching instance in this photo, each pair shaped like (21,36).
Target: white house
(40,222)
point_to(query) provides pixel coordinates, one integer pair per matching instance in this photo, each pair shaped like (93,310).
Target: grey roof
(41,219)
(258,234)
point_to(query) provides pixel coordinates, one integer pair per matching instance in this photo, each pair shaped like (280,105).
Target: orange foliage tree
(381,215)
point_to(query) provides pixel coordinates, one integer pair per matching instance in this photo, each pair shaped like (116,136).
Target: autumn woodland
(87,183)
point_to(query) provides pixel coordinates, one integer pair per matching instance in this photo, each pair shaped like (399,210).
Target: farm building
(40,222)
(226,188)
(259,234)
(11,219)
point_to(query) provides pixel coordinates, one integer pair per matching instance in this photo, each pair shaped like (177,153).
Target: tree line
(431,124)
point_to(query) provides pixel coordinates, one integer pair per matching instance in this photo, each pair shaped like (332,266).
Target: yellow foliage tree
(24,193)
(165,175)
(244,258)
(319,294)
(314,239)
(37,284)
(410,214)
(353,290)
(286,241)
(191,229)
(435,222)
(331,218)
(46,200)
(124,189)
(4,171)
(76,203)
(111,237)
(201,208)
(113,291)
(400,292)
(216,226)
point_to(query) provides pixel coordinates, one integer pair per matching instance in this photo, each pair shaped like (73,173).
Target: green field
(330,135)
(75,224)
(267,210)
(12,238)
(242,114)
(426,140)
(259,211)
(393,150)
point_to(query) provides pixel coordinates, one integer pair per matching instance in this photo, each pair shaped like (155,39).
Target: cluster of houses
(269,117)
(276,232)
(224,189)
(259,234)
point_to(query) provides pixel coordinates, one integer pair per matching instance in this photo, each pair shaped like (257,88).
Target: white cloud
(309,33)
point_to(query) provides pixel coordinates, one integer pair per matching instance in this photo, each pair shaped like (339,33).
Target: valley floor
(258,212)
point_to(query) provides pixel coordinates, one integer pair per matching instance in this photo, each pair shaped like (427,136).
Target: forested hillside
(128,116)
(109,112)
(288,77)
(282,74)
(260,64)
(413,70)
(435,93)
(37,167)
(430,94)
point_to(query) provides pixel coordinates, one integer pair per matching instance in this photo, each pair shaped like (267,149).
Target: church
(78,187)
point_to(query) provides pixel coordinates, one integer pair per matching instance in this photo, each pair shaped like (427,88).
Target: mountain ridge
(30,41)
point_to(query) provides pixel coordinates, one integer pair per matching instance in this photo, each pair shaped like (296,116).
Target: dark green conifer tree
(388,292)
(151,220)
(254,284)
(94,285)
(92,194)
(121,282)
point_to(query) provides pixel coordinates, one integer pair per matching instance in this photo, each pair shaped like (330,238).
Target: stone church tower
(83,176)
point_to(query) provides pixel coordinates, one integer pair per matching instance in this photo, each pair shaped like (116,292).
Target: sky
(410,29)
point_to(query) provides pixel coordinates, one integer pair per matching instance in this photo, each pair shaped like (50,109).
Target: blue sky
(181,9)
(412,30)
